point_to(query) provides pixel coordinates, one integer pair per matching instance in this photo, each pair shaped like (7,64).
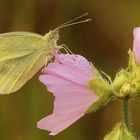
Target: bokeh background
(104,41)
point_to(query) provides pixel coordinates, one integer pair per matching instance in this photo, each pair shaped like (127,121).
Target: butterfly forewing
(21,56)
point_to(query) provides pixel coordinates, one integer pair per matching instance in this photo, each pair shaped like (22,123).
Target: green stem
(126,114)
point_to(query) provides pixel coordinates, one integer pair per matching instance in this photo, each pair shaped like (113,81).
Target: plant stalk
(126,114)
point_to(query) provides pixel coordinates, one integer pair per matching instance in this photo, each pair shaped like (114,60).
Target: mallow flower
(67,78)
(132,84)
(127,81)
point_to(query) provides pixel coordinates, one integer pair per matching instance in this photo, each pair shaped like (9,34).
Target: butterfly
(22,54)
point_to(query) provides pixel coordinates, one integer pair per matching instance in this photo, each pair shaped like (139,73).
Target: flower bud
(120,132)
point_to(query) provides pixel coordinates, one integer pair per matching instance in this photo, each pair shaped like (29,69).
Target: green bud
(127,83)
(128,89)
(121,78)
(120,132)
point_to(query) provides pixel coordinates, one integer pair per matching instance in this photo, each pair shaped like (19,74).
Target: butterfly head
(52,35)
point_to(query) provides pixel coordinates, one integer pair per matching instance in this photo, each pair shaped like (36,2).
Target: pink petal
(67,79)
(75,75)
(57,123)
(73,60)
(71,103)
(59,85)
(136,44)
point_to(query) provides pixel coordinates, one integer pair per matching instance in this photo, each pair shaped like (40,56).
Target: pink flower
(67,78)
(136,44)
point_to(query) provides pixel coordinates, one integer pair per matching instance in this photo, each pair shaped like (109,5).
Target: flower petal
(136,44)
(57,123)
(71,103)
(67,78)
(75,75)
(59,85)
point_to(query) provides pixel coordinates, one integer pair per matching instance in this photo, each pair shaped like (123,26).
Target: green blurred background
(104,41)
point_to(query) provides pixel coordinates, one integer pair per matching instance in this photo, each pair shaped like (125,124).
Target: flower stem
(126,114)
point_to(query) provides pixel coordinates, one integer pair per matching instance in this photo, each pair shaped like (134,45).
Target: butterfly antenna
(70,21)
(73,21)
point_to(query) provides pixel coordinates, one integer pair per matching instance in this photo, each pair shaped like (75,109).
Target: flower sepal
(100,86)
(120,132)
(133,67)
(96,71)
(103,90)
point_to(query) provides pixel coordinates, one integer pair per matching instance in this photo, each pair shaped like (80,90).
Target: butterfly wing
(21,56)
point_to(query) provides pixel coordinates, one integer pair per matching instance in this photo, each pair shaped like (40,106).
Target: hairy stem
(126,114)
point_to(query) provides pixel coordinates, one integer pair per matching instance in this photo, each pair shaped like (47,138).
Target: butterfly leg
(46,61)
(62,46)
(65,47)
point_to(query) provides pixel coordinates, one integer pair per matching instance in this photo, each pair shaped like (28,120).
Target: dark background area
(104,41)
